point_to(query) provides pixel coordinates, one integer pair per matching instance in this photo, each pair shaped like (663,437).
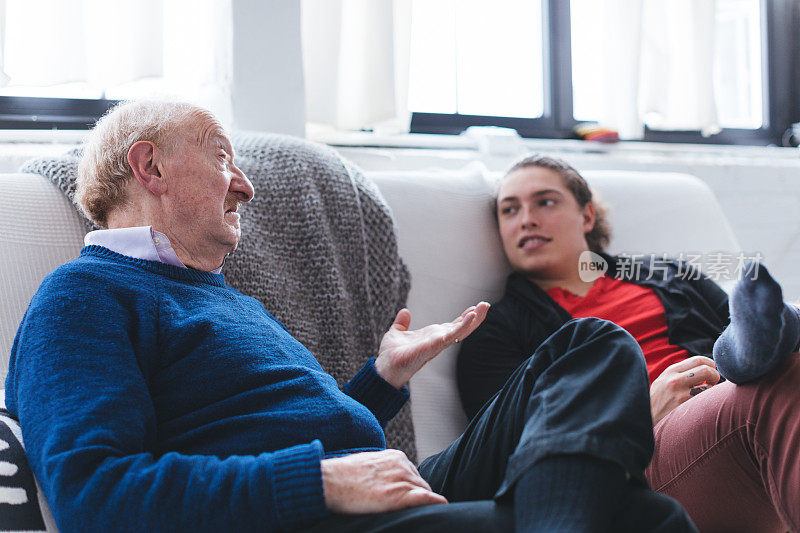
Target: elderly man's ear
(145,161)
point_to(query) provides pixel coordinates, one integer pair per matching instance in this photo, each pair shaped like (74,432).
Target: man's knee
(580,331)
(591,341)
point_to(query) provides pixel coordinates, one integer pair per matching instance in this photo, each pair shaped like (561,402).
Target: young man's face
(204,188)
(542,227)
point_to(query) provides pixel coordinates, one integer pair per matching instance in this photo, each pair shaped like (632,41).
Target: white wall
(267,89)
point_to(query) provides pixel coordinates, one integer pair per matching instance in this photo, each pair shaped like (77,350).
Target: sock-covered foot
(763,330)
(569,493)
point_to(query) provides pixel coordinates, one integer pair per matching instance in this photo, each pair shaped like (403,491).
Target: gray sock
(763,329)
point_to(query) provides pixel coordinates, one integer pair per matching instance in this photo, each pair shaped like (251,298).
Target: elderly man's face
(204,188)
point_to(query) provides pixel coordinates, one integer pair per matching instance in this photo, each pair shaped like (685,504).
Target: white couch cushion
(448,239)
(662,212)
(41,230)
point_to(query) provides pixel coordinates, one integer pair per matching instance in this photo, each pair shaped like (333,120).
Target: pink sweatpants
(731,455)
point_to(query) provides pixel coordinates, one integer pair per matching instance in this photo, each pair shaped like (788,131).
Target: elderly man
(152,396)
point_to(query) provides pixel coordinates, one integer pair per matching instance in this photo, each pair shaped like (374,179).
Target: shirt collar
(141,242)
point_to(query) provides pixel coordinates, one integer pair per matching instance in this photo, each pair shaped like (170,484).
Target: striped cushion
(22,505)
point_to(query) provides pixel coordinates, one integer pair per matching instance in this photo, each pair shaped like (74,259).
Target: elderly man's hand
(679,382)
(374,482)
(402,352)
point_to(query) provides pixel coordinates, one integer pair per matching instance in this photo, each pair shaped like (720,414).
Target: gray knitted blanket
(318,249)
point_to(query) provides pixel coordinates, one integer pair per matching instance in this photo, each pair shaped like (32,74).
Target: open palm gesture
(402,352)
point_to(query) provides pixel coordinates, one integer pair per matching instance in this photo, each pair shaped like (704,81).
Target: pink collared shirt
(141,242)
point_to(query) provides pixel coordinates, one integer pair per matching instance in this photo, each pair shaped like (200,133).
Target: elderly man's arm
(89,423)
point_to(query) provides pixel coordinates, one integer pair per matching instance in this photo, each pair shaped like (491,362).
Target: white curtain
(620,53)
(119,49)
(659,57)
(355,58)
(4,78)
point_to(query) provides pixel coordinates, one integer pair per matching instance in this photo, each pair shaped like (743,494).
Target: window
(64,63)
(730,65)
(563,69)
(461,62)
(739,67)
(513,82)
(20,113)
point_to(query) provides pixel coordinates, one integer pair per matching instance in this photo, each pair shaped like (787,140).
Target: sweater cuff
(380,396)
(297,485)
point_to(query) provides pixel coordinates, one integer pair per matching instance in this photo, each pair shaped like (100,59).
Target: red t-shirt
(634,308)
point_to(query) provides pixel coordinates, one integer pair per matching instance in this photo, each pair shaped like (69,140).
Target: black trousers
(584,391)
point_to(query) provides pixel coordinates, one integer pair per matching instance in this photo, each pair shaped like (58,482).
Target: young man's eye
(508,210)
(547,202)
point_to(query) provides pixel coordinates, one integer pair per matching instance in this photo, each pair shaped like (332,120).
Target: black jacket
(696,312)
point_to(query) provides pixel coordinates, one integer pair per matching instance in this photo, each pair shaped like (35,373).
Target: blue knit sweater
(157,398)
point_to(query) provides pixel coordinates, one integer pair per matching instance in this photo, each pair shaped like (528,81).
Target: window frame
(781,106)
(35,113)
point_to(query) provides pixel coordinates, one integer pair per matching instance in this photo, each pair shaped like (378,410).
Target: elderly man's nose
(241,185)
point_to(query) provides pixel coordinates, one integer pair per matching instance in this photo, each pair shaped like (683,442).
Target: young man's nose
(529,219)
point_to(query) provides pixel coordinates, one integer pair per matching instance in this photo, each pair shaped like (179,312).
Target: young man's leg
(579,406)
(730,455)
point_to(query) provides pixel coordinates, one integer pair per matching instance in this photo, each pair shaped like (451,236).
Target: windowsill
(460,142)
(419,141)
(42,136)
(18,146)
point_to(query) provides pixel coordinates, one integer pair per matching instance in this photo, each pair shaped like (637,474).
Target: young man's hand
(374,482)
(676,384)
(402,352)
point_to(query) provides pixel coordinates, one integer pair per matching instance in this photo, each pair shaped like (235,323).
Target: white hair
(103,170)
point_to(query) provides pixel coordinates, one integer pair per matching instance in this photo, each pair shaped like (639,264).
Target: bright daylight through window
(466,58)
(670,66)
(63,63)
(737,62)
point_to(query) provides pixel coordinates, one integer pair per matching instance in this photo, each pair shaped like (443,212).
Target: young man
(154,397)
(727,454)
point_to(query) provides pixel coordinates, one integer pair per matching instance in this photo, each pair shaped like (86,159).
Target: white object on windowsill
(494,140)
